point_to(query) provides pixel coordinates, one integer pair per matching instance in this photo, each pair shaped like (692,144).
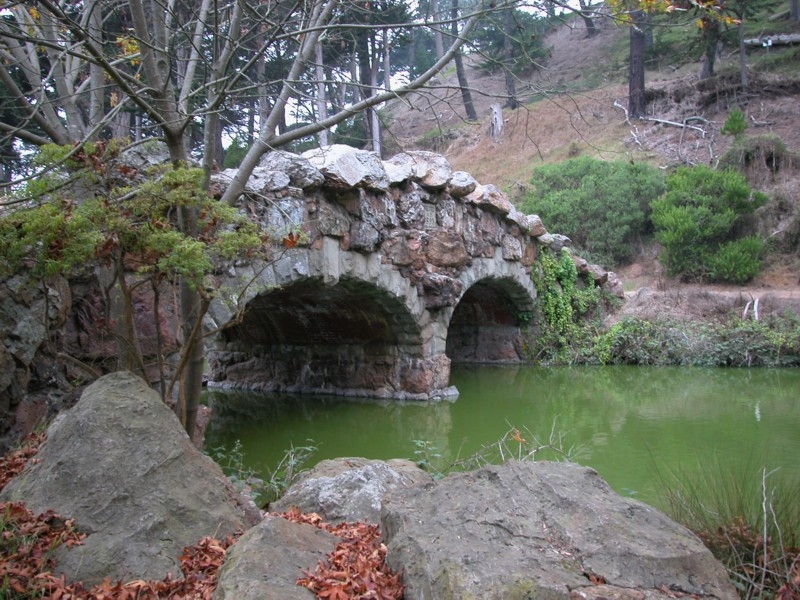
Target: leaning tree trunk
(636,98)
(466,96)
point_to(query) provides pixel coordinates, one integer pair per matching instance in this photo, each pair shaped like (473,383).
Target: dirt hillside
(573,105)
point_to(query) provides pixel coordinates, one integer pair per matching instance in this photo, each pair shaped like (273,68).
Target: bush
(737,261)
(735,124)
(698,222)
(771,342)
(602,206)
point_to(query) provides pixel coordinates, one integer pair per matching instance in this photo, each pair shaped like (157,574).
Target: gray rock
(267,560)
(349,489)
(346,167)
(614,286)
(301,172)
(555,241)
(262,180)
(598,274)
(28,314)
(519,219)
(462,184)
(410,208)
(121,465)
(141,157)
(559,242)
(538,530)
(581,265)
(490,198)
(364,237)
(398,172)
(440,291)
(512,248)
(429,169)
(535,226)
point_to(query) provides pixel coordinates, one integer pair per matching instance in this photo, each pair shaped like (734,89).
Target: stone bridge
(388,271)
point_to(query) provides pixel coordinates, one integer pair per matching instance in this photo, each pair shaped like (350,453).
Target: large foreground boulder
(121,465)
(540,530)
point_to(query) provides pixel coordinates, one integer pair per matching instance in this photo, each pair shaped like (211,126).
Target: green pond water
(634,425)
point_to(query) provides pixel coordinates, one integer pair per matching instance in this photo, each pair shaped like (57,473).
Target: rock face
(350,489)
(29,309)
(539,530)
(120,464)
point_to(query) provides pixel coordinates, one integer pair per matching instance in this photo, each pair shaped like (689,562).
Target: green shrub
(602,206)
(737,261)
(735,124)
(770,342)
(633,341)
(698,221)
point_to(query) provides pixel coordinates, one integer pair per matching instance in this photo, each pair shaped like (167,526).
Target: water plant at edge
(269,485)
(514,444)
(750,520)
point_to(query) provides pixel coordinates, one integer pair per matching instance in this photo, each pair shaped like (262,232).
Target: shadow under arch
(487,324)
(349,338)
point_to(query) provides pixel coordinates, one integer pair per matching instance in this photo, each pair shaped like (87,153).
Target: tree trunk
(438,43)
(322,99)
(387,62)
(191,314)
(466,96)
(497,121)
(96,74)
(711,34)
(508,59)
(794,10)
(591,29)
(372,113)
(743,60)
(636,99)
(119,316)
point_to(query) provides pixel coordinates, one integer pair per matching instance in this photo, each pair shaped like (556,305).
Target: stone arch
(485,325)
(330,321)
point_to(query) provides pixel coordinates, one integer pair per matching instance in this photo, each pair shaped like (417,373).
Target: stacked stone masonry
(397,268)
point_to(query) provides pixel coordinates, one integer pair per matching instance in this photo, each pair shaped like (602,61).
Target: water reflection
(633,423)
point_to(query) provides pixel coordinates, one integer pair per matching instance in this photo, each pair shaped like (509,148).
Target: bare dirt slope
(573,105)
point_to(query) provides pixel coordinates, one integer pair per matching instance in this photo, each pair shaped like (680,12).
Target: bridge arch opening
(351,338)
(487,324)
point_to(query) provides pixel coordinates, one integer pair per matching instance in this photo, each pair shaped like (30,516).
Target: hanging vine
(564,302)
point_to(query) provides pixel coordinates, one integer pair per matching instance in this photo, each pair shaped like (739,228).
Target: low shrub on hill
(701,221)
(603,206)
